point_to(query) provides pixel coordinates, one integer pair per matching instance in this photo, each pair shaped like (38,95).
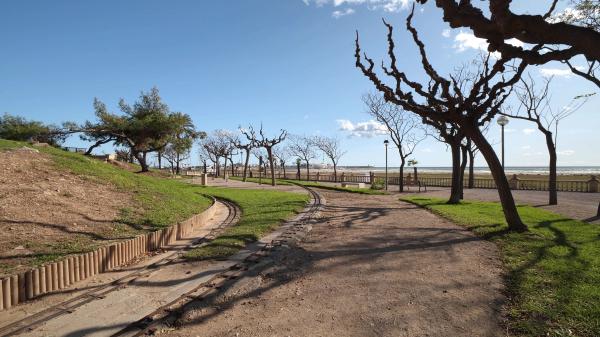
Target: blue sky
(286,63)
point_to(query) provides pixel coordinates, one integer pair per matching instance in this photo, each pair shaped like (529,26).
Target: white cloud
(528,131)
(467,40)
(446,33)
(566,153)
(561,72)
(339,14)
(362,129)
(386,5)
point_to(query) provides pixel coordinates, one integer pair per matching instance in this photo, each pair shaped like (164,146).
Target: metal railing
(590,185)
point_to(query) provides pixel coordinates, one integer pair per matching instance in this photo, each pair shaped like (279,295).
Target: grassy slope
(158,202)
(314,184)
(262,211)
(161,202)
(553,272)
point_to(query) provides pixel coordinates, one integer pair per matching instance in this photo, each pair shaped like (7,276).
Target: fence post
(371,178)
(342,177)
(514,182)
(593,184)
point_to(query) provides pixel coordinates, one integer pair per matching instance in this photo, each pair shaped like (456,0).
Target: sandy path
(372,266)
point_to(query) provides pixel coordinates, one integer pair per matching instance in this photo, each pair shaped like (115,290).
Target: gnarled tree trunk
(335,172)
(463,166)
(246,164)
(140,156)
(471,169)
(552,190)
(401,179)
(307,171)
(270,154)
(455,190)
(506,198)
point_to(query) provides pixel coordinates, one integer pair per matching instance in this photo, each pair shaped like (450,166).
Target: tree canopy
(146,126)
(20,129)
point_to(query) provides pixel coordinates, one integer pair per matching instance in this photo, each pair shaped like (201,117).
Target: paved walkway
(372,266)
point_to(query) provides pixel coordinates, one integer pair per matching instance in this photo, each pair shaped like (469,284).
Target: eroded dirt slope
(44,210)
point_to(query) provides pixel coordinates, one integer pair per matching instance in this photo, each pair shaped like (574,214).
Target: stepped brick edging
(58,275)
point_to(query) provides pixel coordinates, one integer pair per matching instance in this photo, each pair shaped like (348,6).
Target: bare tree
(331,148)
(247,147)
(303,148)
(268,144)
(535,106)
(174,157)
(204,158)
(453,137)
(404,127)
(260,154)
(577,36)
(472,151)
(217,145)
(469,108)
(282,154)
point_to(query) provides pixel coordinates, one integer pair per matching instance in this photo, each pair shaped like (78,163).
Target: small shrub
(378,184)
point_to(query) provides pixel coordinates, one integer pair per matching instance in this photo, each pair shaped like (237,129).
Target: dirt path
(372,266)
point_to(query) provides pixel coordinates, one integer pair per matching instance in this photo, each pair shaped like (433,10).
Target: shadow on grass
(552,270)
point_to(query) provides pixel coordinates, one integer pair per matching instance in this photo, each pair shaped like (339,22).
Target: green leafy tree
(181,142)
(146,126)
(20,129)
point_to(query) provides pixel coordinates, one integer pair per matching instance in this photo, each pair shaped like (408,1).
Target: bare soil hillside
(45,211)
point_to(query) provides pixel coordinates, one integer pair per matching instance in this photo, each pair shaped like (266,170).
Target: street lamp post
(386,142)
(502,121)
(260,164)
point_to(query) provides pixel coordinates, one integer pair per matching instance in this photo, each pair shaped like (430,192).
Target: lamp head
(502,120)
(386,142)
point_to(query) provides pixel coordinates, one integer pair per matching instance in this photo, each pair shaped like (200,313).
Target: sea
(541,170)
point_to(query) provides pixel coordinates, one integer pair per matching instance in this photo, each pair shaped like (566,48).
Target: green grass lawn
(314,184)
(553,271)
(262,211)
(264,180)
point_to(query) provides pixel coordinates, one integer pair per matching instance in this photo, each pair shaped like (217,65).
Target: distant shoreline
(478,170)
